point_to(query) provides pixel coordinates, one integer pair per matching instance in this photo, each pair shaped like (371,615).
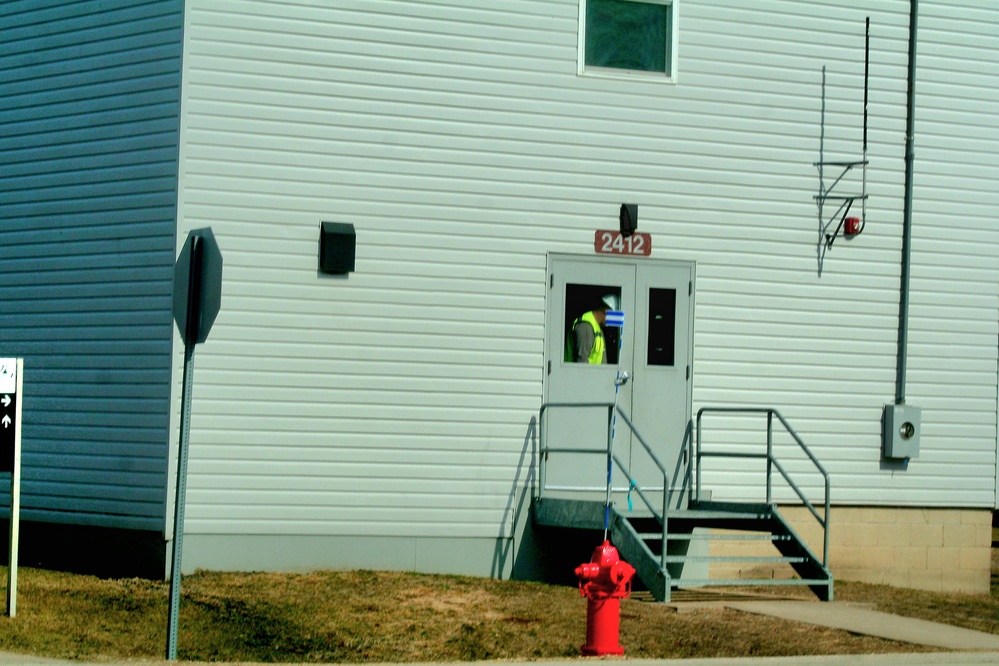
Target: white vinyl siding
(955,276)
(459,141)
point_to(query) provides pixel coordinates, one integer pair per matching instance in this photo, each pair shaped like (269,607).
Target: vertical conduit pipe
(910,122)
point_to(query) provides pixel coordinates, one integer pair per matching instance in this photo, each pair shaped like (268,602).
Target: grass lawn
(369,616)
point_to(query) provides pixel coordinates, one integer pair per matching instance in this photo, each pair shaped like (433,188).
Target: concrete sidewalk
(858,619)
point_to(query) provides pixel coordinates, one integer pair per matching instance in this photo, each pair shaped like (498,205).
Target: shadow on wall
(517,503)
(544,554)
(96,551)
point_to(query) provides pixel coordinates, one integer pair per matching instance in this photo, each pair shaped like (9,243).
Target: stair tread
(672,536)
(735,558)
(719,514)
(748,582)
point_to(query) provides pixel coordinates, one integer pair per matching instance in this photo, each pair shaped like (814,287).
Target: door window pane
(662,327)
(583,298)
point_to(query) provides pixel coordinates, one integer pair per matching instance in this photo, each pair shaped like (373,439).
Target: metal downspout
(910,122)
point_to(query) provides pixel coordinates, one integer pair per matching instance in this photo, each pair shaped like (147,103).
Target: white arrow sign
(6,401)
(8,375)
(5,421)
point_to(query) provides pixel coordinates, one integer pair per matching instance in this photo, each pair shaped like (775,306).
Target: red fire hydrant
(604,581)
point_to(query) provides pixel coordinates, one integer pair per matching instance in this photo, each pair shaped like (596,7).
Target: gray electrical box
(902,424)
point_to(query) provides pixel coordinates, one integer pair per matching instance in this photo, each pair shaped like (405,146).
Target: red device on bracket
(852,226)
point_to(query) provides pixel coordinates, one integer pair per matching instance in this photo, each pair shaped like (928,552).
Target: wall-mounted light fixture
(337,243)
(629,219)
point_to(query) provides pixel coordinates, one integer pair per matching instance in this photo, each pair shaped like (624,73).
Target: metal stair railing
(772,462)
(545,450)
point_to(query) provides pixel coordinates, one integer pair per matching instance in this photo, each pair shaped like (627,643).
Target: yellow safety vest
(597,352)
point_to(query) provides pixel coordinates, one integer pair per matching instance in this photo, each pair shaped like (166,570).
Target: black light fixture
(629,219)
(336,248)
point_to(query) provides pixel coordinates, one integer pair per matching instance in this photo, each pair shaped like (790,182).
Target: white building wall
(954,325)
(460,142)
(823,348)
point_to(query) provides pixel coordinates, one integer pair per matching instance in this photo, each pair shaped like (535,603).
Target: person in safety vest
(585,341)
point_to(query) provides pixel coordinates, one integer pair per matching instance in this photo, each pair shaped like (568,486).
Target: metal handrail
(771,463)
(611,407)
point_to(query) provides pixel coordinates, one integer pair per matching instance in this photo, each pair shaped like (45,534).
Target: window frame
(669,76)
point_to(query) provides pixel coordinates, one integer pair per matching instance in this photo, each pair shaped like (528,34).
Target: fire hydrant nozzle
(604,581)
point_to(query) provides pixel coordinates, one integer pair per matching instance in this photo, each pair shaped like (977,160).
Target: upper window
(627,36)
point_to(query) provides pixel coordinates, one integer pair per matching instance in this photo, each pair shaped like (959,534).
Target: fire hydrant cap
(621,572)
(605,554)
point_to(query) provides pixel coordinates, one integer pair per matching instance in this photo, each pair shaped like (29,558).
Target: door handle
(622,378)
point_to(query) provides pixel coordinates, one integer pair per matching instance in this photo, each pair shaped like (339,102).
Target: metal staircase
(692,526)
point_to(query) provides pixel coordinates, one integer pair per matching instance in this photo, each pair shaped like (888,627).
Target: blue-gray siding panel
(89,123)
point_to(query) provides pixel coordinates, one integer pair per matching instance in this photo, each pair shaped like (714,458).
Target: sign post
(11,381)
(197,298)
(614,319)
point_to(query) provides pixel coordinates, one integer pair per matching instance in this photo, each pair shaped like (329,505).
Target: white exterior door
(654,347)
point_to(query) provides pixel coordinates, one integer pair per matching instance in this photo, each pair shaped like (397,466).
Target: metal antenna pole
(867,69)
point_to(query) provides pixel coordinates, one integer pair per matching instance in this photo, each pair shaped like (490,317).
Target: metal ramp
(689,528)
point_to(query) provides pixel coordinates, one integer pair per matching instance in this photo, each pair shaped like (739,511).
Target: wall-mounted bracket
(848,226)
(845,201)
